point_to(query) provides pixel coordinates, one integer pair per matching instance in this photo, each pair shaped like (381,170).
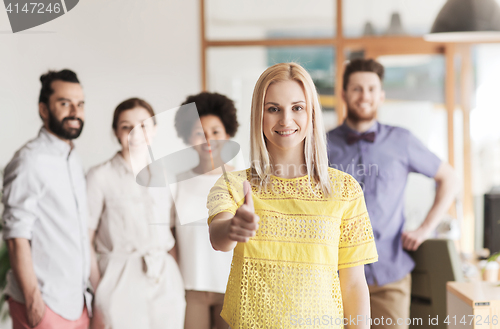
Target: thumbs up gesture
(244,224)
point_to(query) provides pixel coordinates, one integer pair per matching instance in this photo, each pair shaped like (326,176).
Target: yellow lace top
(286,276)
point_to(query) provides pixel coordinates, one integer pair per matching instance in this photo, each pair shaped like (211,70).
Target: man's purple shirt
(382,168)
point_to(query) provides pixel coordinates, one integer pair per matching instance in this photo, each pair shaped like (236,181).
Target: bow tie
(353,137)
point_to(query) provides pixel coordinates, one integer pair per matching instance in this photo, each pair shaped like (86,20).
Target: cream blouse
(141,285)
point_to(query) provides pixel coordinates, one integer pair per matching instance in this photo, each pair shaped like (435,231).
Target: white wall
(119,49)
(227,75)
(485,134)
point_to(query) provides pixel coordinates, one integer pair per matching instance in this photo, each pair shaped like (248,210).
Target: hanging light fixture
(369,30)
(396,25)
(471,21)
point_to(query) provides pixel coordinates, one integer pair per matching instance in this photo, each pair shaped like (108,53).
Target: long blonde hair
(315,140)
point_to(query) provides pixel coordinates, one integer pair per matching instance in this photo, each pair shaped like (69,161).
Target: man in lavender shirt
(380,157)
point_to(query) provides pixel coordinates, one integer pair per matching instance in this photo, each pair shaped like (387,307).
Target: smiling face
(127,120)
(209,129)
(64,114)
(285,119)
(363,96)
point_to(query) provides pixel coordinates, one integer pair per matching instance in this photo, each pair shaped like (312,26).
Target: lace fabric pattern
(287,273)
(267,293)
(300,228)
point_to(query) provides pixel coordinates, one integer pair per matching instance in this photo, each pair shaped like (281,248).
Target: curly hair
(207,104)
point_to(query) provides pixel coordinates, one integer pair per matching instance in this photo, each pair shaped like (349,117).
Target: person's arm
(95,275)
(96,322)
(21,194)
(227,230)
(219,232)
(446,190)
(22,267)
(174,251)
(96,206)
(355,297)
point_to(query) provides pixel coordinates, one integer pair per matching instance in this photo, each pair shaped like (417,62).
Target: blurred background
(439,85)
(442,81)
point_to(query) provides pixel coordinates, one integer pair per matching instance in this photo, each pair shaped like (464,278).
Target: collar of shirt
(346,129)
(120,163)
(61,147)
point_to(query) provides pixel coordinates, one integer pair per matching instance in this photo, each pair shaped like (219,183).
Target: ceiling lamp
(395,26)
(369,30)
(471,21)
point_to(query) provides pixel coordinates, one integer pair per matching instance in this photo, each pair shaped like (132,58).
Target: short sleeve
(356,244)
(20,199)
(223,196)
(95,199)
(420,159)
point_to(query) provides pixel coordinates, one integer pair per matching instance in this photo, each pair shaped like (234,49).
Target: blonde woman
(138,283)
(300,230)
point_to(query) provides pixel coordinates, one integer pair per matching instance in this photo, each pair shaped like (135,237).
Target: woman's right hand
(244,224)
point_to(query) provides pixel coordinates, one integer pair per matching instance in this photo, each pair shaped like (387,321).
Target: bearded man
(45,215)
(380,157)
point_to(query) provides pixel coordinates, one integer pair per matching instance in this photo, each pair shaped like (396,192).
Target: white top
(202,268)
(45,202)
